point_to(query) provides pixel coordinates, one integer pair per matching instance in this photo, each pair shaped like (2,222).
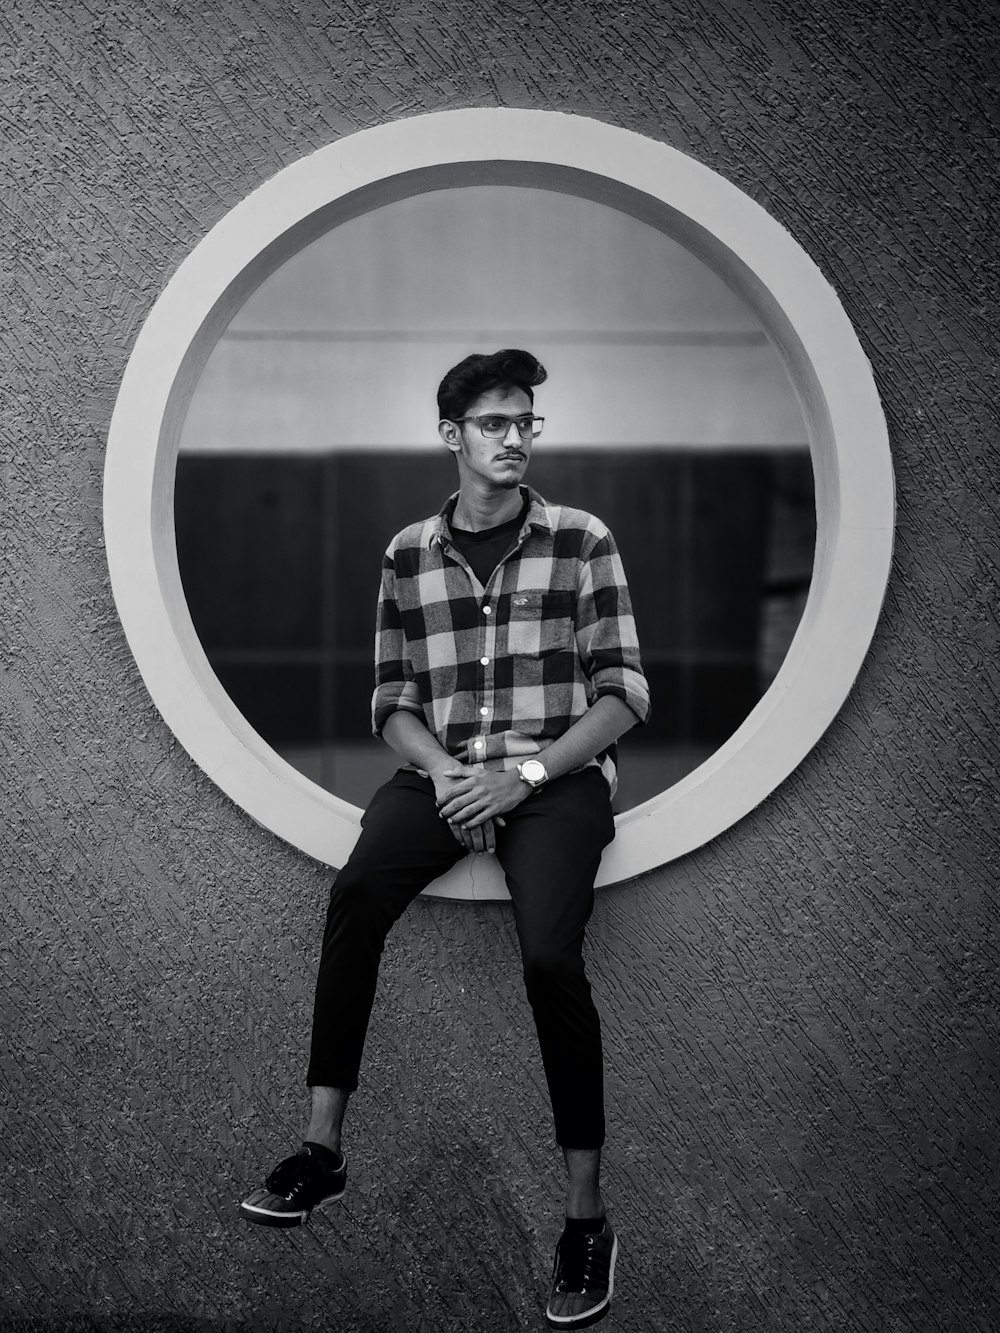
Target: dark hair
(480,373)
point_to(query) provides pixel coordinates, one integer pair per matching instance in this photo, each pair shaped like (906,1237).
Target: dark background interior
(280,560)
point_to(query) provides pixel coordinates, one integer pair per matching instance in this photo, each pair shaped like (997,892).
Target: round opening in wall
(705,386)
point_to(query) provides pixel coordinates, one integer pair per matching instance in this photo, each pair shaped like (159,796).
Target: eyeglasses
(496,427)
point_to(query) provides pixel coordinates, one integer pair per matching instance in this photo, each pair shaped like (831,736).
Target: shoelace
(581,1266)
(290,1174)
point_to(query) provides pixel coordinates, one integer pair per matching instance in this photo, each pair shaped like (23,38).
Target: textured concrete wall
(800,1018)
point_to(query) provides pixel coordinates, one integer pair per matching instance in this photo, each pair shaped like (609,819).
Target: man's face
(499,463)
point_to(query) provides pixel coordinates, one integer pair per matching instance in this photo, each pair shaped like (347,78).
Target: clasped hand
(473,800)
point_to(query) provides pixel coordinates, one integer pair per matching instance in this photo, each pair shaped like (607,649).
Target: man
(506,668)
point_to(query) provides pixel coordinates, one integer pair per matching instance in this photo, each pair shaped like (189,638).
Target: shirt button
(485,661)
(484,711)
(487,610)
(478,745)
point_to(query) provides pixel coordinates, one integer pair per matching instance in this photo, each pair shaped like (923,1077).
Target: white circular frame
(741,242)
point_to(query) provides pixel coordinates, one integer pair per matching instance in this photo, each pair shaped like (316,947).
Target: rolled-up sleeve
(395,689)
(605,629)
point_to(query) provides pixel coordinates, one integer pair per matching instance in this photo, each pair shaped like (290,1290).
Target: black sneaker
(583,1278)
(296,1186)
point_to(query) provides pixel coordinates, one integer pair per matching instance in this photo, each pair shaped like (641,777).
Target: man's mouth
(511,458)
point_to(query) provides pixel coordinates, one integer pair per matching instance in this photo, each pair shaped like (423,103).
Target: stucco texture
(800,1018)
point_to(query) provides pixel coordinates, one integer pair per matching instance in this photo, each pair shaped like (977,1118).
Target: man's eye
(492,423)
(524,423)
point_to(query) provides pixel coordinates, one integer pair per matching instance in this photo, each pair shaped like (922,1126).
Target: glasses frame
(511,421)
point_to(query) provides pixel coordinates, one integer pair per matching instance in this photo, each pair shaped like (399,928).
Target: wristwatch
(532,771)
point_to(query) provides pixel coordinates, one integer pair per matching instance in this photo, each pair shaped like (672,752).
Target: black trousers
(550,851)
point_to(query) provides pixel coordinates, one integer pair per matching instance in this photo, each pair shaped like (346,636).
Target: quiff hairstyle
(479,373)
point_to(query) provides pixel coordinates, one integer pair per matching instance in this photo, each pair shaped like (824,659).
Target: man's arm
(602,724)
(606,637)
(397,710)
(395,688)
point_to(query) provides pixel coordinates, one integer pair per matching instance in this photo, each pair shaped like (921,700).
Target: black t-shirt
(484,550)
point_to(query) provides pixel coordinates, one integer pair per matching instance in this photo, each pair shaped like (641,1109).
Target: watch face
(533,770)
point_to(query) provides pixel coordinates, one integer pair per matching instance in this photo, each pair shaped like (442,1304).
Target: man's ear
(451,435)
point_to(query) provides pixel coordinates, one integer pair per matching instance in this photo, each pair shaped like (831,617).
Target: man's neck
(475,510)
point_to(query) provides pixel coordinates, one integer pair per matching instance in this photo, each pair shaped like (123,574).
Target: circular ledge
(716,221)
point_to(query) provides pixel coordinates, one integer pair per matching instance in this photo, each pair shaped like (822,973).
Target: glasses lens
(494,427)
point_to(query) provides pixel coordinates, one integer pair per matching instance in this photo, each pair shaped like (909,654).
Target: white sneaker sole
(596,1312)
(270,1217)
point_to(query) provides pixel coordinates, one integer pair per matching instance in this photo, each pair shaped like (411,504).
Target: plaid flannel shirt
(498,673)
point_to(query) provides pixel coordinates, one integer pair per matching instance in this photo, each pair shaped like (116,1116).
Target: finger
(459,833)
(461,807)
(470,841)
(455,791)
(463,836)
(478,818)
(489,837)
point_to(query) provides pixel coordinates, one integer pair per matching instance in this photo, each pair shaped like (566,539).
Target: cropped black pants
(550,851)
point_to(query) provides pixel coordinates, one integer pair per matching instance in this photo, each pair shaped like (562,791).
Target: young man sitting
(507,666)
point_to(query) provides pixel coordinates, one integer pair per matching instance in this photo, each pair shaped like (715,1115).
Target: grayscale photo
(499,668)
